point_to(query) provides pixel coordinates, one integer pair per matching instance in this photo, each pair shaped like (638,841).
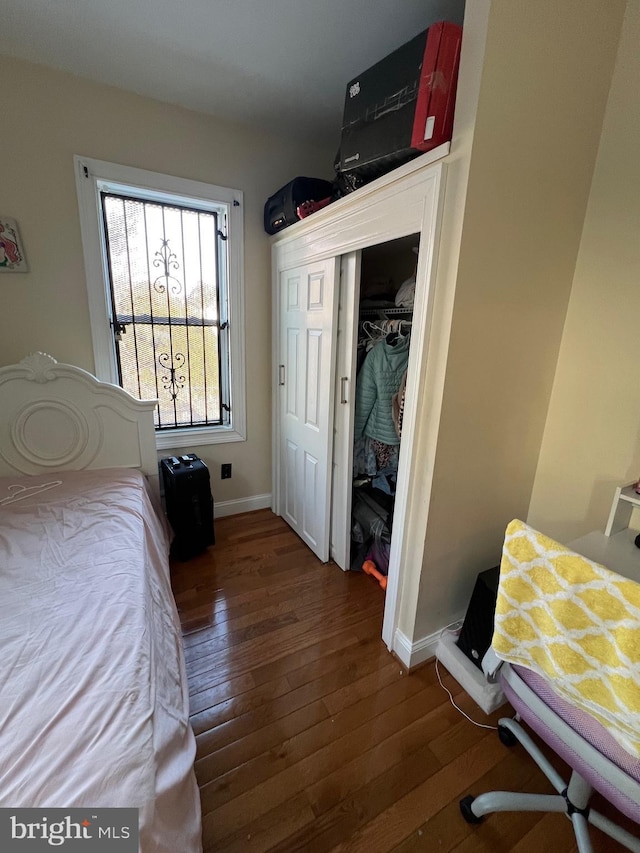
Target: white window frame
(92,176)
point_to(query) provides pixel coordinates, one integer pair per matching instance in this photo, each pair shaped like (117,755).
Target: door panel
(290,489)
(308,311)
(291,363)
(311,529)
(314,378)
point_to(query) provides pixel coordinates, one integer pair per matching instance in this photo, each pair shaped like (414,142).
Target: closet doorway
(319,265)
(375,318)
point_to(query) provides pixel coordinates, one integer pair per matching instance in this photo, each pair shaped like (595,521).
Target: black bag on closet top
(281,209)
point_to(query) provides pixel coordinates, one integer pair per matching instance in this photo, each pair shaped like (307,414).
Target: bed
(93,695)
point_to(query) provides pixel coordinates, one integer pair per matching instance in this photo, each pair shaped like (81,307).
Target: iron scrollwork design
(172,382)
(167,259)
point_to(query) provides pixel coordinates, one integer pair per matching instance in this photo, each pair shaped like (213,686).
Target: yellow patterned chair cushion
(575,623)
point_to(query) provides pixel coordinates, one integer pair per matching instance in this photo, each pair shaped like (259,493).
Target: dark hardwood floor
(311,736)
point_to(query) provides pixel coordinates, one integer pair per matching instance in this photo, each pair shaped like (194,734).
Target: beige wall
(536,136)
(538,123)
(49,116)
(592,436)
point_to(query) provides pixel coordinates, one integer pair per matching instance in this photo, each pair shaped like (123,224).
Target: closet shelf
(387,312)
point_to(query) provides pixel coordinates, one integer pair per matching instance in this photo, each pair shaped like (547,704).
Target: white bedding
(93,700)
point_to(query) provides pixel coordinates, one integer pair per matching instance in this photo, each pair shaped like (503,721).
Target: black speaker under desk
(477,629)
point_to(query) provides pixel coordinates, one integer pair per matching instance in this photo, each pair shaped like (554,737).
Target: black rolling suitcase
(189,504)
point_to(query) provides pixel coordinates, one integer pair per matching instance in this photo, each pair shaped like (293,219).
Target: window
(163,259)
(166,270)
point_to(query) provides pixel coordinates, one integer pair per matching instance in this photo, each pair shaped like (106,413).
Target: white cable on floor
(451,699)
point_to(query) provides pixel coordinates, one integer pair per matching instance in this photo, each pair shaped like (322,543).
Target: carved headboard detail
(56,417)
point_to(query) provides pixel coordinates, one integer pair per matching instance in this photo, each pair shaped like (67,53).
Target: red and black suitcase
(403,105)
(281,209)
(188,504)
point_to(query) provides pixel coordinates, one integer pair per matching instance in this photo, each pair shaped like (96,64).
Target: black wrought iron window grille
(167,266)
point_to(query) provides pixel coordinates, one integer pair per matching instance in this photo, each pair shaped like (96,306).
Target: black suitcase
(189,504)
(281,209)
(403,105)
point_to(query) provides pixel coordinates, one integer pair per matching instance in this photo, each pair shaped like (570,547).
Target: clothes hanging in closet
(379,379)
(383,355)
(371,332)
(397,405)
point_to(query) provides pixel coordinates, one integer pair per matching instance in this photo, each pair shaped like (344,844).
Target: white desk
(617,552)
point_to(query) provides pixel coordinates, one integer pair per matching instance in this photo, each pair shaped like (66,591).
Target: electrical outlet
(225,471)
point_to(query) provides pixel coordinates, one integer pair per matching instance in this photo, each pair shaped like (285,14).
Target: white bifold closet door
(345,388)
(306,376)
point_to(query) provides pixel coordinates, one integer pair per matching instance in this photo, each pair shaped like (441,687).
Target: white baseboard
(471,679)
(413,654)
(223,508)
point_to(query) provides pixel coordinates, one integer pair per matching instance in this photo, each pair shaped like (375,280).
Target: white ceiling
(279,65)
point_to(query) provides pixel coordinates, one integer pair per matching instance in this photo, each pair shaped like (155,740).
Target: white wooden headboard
(57,417)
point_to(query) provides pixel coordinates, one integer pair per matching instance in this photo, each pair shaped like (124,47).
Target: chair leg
(577,798)
(581,829)
(475,808)
(547,768)
(510,801)
(604,824)
(571,799)
(579,791)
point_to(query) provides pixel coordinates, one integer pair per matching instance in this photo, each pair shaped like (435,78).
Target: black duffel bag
(281,209)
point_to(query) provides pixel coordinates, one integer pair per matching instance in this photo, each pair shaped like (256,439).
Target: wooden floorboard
(312,736)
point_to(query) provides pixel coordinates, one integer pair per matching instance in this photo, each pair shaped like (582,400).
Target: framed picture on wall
(12,257)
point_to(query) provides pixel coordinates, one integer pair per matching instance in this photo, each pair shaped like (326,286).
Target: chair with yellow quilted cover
(566,649)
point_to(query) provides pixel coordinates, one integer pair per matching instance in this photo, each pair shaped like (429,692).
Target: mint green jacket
(378,380)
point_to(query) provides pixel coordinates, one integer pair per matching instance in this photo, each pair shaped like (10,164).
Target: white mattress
(93,700)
